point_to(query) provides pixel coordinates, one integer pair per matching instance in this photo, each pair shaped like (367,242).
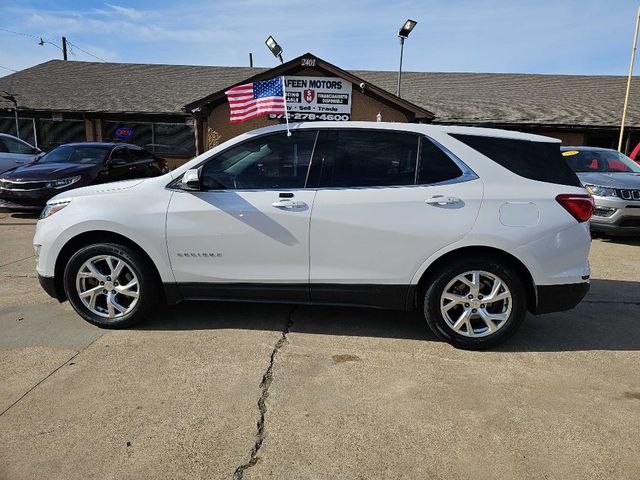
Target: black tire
(441,278)
(148,287)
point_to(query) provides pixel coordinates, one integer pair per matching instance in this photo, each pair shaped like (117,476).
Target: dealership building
(179,111)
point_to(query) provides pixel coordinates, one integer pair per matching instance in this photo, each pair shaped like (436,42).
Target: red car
(634,155)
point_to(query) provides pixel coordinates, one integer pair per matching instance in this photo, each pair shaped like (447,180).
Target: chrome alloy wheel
(107,286)
(476,303)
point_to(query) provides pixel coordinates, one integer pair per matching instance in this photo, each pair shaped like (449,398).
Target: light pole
(12,99)
(403,33)
(274,47)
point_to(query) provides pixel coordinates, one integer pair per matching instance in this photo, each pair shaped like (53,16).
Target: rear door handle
(286,203)
(442,200)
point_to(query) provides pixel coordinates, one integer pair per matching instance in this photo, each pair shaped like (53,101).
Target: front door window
(269,162)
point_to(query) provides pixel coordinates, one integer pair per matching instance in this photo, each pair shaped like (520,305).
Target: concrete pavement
(275,391)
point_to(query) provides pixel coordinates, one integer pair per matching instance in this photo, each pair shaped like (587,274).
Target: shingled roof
(118,87)
(454,97)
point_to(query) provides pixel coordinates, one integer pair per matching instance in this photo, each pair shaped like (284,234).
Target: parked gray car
(15,152)
(614,181)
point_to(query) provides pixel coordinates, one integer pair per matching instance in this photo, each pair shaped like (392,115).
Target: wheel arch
(419,289)
(88,238)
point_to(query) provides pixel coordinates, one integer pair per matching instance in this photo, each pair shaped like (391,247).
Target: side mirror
(191,180)
(36,151)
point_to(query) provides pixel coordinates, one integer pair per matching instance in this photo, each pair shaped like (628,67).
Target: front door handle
(286,203)
(442,200)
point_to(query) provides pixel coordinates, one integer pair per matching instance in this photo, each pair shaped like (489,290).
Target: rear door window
(539,161)
(367,158)
(435,165)
(138,155)
(120,154)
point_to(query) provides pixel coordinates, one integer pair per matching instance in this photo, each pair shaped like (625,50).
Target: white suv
(472,226)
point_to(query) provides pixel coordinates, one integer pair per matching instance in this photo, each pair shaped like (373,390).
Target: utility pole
(64,48)
(626,96)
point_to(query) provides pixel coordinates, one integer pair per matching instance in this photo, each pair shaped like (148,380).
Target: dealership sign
(317,98)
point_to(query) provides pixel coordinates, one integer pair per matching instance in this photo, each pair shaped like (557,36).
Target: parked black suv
(75,165)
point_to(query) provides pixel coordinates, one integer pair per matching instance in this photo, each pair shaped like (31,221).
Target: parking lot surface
(225,390)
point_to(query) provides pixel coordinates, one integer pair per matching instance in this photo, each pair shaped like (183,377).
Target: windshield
(83,154)
(607,161)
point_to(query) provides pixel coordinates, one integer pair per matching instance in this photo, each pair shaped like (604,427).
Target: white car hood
(102,189)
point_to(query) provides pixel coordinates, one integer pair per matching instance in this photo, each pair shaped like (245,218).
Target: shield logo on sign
(309,95)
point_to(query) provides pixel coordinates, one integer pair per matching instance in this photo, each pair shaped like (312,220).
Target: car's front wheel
(476,303)
(110,285)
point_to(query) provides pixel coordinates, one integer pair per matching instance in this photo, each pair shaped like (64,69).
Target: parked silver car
(614,181)
(15,152)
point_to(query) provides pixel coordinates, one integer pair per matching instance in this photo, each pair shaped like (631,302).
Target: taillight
(579,206)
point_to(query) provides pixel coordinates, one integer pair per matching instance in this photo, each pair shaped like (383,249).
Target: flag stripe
(251,105)
(254,112)
(256,99)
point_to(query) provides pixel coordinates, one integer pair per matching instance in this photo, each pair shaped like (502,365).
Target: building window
(51,133)
(163,139)
(8,125)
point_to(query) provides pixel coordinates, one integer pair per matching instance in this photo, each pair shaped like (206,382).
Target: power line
(87,53)
(24,34)
(28,35)
(7,68)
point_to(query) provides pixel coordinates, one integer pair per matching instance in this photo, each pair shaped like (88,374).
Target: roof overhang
(309,60)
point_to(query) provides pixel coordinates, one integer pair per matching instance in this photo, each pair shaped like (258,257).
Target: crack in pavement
(66,362)
(265,384)
(16,261)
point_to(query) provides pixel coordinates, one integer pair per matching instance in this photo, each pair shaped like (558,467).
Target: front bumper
(558,298)
(616,216)
(49,285)
(26,200)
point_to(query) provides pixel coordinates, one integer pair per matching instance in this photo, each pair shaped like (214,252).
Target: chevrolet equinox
(471,226)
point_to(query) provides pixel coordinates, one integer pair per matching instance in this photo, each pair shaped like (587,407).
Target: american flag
(256,99)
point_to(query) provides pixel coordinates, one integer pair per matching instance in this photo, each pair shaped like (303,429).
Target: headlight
(52,208)
(599,191)
(63,182)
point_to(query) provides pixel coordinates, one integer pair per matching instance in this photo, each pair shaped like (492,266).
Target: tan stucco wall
(363,107)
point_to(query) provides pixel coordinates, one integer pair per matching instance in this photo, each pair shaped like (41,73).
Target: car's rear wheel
(110,285)
(476,303)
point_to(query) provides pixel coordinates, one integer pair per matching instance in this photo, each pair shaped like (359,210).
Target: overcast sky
(544,36)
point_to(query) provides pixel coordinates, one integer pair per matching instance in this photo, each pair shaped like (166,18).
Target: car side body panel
(141,220)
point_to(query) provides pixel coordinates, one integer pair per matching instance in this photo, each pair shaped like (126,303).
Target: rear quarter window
(541,161)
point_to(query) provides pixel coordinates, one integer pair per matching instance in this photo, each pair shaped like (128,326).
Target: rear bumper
(558,298)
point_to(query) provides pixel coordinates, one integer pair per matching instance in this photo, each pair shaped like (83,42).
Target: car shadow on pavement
(324,320)
(622,239)
(607,319)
